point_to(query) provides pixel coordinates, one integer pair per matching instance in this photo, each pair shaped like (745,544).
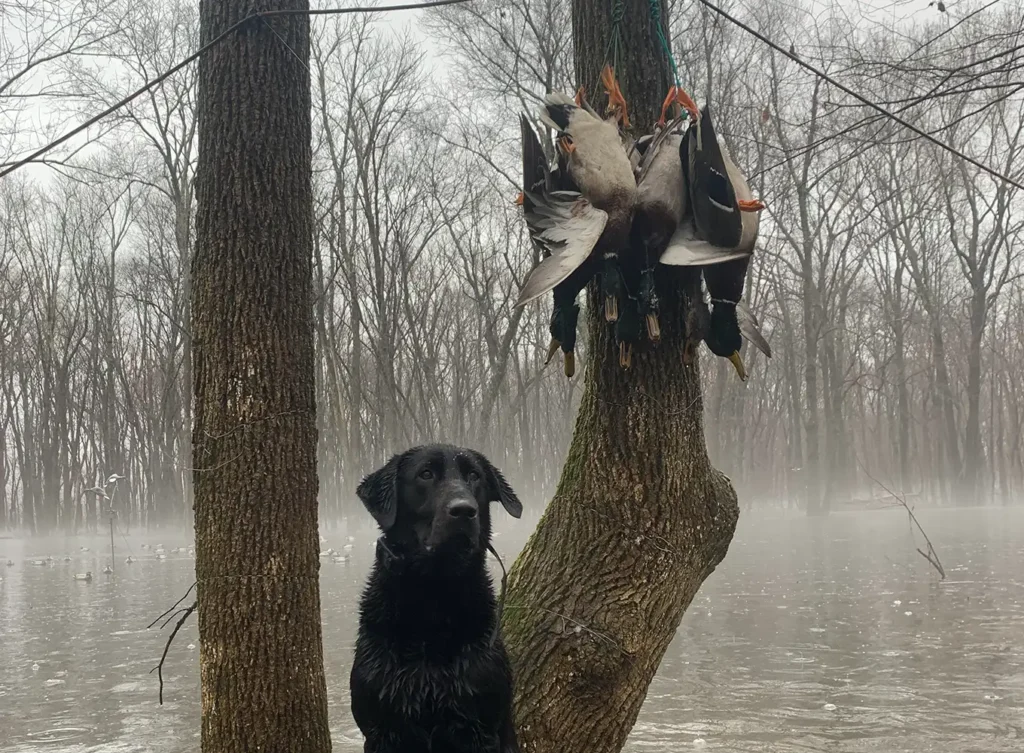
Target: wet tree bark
(254,437)
(640,517)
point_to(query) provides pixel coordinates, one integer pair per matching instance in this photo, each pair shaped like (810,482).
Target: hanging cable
(262,15)
(862,99)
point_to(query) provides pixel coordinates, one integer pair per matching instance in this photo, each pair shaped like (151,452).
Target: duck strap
(613,48)
(655,6)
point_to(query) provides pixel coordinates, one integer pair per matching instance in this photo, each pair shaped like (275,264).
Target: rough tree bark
(640,517)
(254,437)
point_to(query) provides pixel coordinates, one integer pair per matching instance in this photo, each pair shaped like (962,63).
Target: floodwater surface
(825,635)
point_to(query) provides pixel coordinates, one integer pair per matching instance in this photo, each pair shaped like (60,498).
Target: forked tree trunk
(640,518)
(254,437)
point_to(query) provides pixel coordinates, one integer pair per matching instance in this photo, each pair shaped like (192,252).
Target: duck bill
(552,349)
(625,355)
(653,327)
(570,364)
(738,363)
(611,308)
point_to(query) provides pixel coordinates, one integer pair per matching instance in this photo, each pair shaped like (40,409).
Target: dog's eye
(472,476)
(426,474)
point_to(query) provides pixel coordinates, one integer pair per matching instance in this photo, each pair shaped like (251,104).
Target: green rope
(615,37)
(656,18)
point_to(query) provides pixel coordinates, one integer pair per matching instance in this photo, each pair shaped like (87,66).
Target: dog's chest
(423,681)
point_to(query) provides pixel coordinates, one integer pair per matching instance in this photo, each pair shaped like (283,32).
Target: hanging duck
(542,189)
(588,226)
(661,200)
(719,237)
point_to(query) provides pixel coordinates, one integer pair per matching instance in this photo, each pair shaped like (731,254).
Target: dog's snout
(464,509)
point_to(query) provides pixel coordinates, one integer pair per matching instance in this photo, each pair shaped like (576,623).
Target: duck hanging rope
(655,6)
(613,48)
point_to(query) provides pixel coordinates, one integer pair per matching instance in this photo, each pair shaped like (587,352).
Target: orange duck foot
(616,102)
(684,101)
(670,99)
(752,205)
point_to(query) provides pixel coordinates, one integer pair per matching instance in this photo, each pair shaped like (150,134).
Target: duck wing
(686,248)
(715,209)
(568,227)
(536,175)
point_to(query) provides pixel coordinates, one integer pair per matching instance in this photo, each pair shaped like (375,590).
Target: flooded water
(814,635)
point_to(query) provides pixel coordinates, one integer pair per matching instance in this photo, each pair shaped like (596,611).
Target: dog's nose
(462,508)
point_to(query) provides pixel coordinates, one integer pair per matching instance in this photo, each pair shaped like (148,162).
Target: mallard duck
(129,560)
(661,205)
(719,236)
(712,179)
(108,570)
(580,227)
(546,195)
(723,341)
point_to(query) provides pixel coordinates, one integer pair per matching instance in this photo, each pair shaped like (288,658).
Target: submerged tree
(254,436)
(640,517)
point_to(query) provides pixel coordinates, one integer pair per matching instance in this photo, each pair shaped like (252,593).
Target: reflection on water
(813,635)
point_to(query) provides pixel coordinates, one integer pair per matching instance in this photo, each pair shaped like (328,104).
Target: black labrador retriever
(431,674)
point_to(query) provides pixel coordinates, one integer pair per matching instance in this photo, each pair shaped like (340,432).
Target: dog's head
(435,499)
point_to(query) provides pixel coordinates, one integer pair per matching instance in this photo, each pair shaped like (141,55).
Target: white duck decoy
(86,577)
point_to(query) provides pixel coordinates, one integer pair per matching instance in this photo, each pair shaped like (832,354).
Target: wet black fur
(431,674)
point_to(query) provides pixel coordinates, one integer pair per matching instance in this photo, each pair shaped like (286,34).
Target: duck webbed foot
(684,101)
(670,99)
(566,145)
(750,205)
(580,96)
(616,102)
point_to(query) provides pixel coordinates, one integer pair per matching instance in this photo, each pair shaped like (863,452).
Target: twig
(931,555)
(159,668)
(173,607)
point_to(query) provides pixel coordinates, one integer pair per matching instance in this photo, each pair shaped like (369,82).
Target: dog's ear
(498,488)
(379,493)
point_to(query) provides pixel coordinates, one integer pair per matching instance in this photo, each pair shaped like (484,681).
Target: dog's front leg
(391,741)
(509,743)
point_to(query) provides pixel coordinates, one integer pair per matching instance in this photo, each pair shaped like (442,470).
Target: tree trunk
(254,437)
(640,517)
(973,457)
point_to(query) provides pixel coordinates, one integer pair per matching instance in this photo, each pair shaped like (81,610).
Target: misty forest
(885,139)
(885,278)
